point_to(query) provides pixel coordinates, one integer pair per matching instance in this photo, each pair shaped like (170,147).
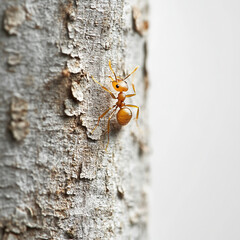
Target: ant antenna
(110,66)
(111,78)
(131,73)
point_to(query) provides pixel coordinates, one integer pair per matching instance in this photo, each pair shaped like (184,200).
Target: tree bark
(56,179)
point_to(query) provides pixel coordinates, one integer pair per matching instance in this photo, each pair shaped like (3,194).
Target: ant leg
(110,66)
(108,128)
(129,105)
(134,94)
(101,116)
(131,95)
(104,87)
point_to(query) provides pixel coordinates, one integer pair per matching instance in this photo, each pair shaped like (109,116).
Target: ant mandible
(124,114)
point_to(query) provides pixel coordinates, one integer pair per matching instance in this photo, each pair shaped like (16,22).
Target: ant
(124,114)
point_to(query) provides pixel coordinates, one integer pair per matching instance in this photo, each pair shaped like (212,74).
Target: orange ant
(124,114)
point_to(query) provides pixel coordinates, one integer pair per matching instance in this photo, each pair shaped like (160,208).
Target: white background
(194,64)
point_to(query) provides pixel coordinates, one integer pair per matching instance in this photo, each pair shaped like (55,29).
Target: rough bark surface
(56,179)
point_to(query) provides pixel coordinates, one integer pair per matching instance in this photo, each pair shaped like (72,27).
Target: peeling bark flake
(10,236)
(14,17)
(120,192)
(19,125)
(140,25)
(14,59)
(74,66)
(67,49)
(77,91)
(66,73)
(88,171)
(72,108)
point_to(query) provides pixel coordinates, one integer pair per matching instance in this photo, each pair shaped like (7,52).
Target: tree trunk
(56,179)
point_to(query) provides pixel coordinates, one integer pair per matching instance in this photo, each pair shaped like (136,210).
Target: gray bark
(56,179)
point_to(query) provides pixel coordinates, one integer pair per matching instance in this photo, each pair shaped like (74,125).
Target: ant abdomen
(124,115)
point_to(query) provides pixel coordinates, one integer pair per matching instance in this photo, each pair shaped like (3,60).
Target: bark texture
(56,179)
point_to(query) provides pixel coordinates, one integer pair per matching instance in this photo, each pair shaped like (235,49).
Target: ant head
(120,85)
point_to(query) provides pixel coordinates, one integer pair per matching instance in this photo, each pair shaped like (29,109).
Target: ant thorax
(121,96)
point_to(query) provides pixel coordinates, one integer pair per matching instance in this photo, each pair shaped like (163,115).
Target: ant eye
(117,86)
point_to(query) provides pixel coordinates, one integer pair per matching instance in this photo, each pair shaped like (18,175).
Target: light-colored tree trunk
(56,179)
